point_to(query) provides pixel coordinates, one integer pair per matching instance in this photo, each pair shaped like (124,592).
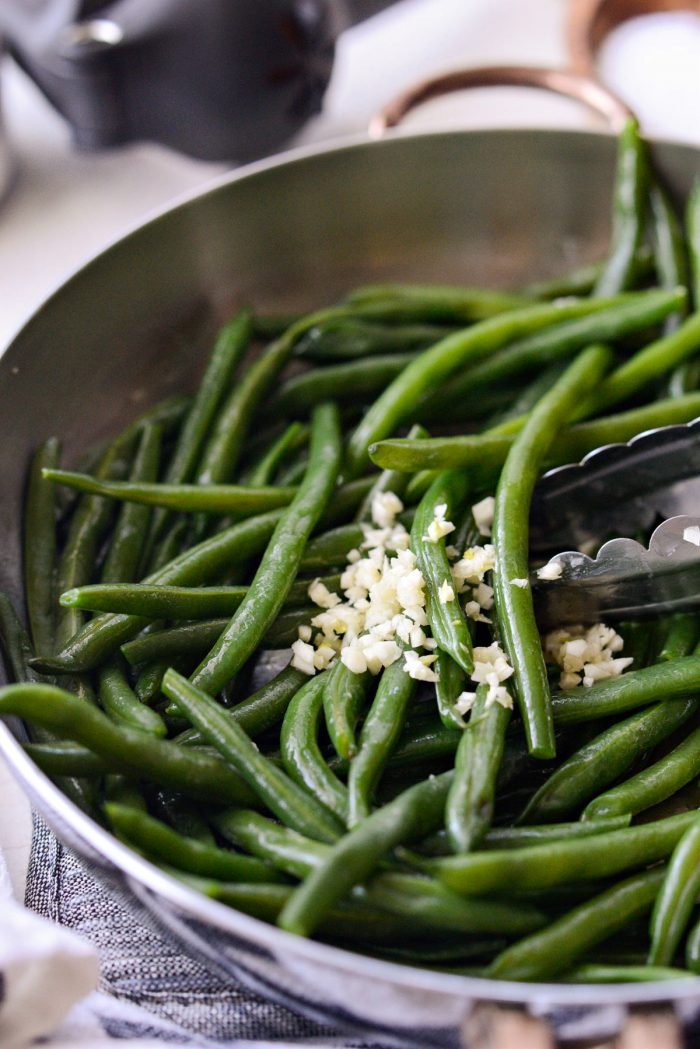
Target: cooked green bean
(381,729)
(349,382)
(470,802)
(350,339)
(513,602)
(193,498)
(682,636)
(676,898)
(280,561)
(446,303)
(344,695)
(604,759)
(294,437)
(445,614)
(557,863)
(555,949)
(582,280)
(601,973)
(279,793)
(301,754)
(670,257)
(129,534)
(629,192)
(452,681)
(653,784)
(40,548)
(517,837)
(693,239)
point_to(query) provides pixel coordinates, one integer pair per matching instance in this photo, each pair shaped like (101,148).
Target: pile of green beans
(547,834)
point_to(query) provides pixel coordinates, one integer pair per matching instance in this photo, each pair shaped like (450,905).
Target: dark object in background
(217,79)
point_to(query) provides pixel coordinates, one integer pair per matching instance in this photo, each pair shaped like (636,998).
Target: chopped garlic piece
(483,514)
(691,534)
(585,655)
(304,633)
(303,657)
(522,583)
(446,593)
(418,667)
(324,656)
(552,570)
(464,702)
(385,507)
(322,596)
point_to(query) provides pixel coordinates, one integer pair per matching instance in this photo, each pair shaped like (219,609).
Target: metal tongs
(649,485)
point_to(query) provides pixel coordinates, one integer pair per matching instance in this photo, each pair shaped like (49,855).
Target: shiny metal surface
(489,207)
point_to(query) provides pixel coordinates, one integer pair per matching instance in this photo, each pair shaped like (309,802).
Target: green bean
(350,339)
(517,837)
(513,604)
(173,543)
(446,617)
(557,863)
(349,382)
(158,840)
(281,559)
(440,362)
(118,700)
(470,801)
(628,211)
(184,769)
(129,534)
(301,755)
(445,303)
(40,548)
(380,731)
(64,758)
(194,498)
(293,437)
(15,644)
(413,814)
(601,973)
(555,949)
(223,449)
(671,261)
(676,898)
(682,636)
(653,784)
(196,639)
(101,636)
(228,350)
(634,689)
(693,241)
(452,681)
(283,797)
(489,451)
(622,315)
(344,695)
(605,759)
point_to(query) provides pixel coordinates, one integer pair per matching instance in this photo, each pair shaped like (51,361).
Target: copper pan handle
(580,87)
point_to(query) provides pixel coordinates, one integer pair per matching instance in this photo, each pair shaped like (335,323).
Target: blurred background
(115,109)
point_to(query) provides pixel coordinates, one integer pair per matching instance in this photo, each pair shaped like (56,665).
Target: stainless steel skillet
(500,207)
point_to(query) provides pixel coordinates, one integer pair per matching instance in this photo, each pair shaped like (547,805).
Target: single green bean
(352,339)
(344,696)
(445,614)
(629,194)
(671,261)
(517,837)
(682,636)
(118,700)
(692,229)
(380,732)
(557,863)
(452,681)
(40,548)
(301,754)
(348,382)
(601,973)
(653,784)
(470,802)
(555,949)
(292,438)
(280,561)
(130,530)
(283,797)
(447,303)
(676,898)
(513,603)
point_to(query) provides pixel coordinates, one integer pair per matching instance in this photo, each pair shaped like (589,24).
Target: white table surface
(65,206)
